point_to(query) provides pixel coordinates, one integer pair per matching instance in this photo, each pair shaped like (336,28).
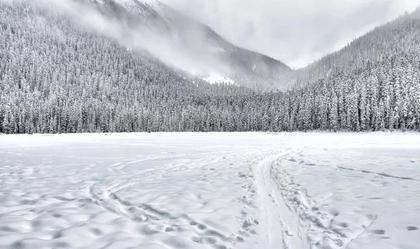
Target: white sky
(294,31)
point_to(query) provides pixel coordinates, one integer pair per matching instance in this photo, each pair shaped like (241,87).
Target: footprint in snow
(379,232)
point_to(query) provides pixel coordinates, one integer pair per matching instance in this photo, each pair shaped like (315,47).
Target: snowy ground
(235,190)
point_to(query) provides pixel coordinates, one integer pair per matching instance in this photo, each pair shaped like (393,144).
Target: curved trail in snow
(290,217)
(210,191)
(280,227)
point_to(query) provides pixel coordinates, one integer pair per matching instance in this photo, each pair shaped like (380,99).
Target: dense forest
(58,78)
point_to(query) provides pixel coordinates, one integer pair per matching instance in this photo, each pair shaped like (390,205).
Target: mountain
(204,52)
(129,70)
(396,39)
(371,84)
(59,76)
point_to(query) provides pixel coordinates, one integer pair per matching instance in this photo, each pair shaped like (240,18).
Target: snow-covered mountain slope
(398,39)
(203,52)
(57,75)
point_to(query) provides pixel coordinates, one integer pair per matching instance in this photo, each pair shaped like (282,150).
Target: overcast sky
(294,31)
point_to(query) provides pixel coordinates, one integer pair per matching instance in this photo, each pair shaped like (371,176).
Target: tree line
(57,78)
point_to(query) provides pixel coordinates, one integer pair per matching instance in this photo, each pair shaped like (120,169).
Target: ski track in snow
(220,191)
(288,209)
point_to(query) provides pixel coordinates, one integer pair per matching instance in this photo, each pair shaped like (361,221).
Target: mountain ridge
(356,54)
(57,76)
(245,67)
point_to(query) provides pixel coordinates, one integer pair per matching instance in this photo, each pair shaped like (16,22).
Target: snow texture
(134,3)
(232,190)
(219,79)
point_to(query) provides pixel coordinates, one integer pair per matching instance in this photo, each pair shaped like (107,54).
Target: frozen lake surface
(220,191)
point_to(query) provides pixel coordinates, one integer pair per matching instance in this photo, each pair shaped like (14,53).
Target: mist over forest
(125,66)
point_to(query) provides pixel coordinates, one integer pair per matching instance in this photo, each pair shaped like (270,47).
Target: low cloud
(196,57)
(294,31)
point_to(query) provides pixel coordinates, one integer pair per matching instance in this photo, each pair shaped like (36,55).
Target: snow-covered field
(234,190)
